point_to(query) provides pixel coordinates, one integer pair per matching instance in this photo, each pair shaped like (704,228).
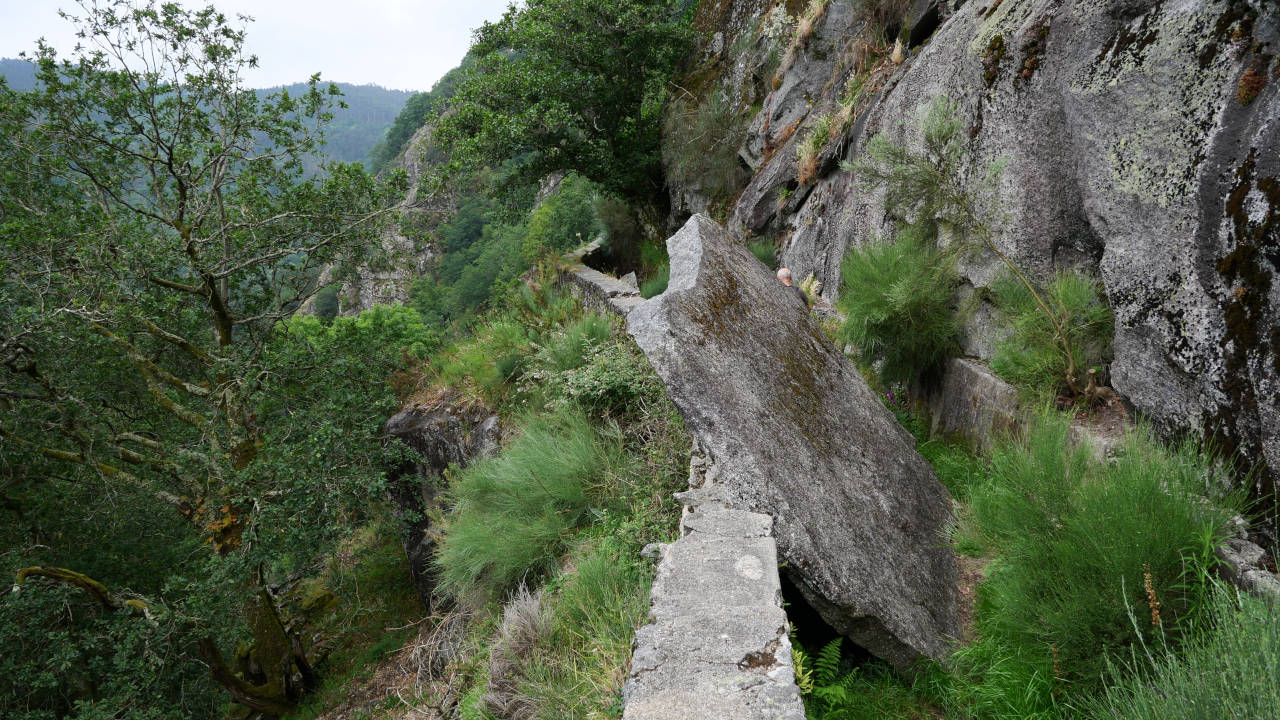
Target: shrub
(514,513)
(616,380)
(929,184)
(897,298)
(1230,668)
(1030,357)
(564,221)
(1079,546)
(700,148)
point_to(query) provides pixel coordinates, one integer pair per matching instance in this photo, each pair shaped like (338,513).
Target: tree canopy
(570,85)
(157,228)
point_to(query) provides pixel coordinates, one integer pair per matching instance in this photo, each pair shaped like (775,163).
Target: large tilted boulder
(797,434)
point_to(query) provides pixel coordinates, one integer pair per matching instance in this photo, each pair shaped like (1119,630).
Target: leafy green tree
(156,226)
(570,85)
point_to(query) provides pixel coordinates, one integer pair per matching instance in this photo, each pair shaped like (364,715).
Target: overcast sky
(400,44)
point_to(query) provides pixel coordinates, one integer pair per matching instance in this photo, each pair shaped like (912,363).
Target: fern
(827,665)
(804,676)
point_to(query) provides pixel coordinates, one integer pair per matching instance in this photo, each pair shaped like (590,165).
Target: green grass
(576,672)
(657,284)
(1078,547)
(514,513)
(1229,668)
(958,468)
(766,252)
(1031,357)
(898,300)
(569,349)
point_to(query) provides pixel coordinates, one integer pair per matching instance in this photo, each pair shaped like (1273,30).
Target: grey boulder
(797,434)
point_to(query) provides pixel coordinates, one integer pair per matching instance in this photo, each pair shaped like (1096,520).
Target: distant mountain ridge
(352,135)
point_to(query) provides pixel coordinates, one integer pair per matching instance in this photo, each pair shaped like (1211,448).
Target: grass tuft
(1031,356)
(1076,545)
(898,300)
(514,513)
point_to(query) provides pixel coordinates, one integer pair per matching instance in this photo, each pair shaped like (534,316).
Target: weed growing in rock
(929,184)
(1030,356)
(808,150)
(898,299)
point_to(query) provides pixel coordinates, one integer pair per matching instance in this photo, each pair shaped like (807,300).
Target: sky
(399,44)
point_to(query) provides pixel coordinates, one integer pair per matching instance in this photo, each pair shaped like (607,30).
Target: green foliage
(513,514)
(570,348)
(833,689)
(657,284)
(326,303)
(414,114)
(766,252)
(930,185)
(1080,547)
(615,380)
(157,372)
(898,301)
(564,221)
(570,85)
(1229,668)
(1030,357)
(956,466)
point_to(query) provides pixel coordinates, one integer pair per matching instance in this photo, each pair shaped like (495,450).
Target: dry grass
(809,21)
(524,623)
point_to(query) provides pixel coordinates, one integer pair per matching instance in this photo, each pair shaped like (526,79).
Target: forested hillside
(490,402)
(352,135)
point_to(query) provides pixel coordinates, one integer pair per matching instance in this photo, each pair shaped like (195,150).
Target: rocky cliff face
(405,250)
(1142,141)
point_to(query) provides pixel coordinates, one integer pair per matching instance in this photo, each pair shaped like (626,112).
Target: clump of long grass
(1228,668)
(657,283)
(560,651)
(809,149)
(898,299)
(1031,357)
(514,513)
(1078,545)
(569,348)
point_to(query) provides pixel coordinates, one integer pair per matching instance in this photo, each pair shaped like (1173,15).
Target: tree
(156,227)
(570,85)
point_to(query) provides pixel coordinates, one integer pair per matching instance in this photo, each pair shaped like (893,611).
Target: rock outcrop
(440,434)
(798,435)
(1142,141)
